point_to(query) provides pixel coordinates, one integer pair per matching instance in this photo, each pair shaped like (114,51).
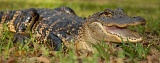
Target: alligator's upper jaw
(113,33)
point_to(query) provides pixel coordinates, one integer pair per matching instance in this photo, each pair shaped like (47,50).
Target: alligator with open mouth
(62,25)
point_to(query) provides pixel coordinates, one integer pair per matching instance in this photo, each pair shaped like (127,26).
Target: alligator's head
(111,25)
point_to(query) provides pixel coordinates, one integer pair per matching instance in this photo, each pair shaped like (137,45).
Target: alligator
(61,25)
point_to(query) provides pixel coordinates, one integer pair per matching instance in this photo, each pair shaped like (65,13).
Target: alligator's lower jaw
(113,33)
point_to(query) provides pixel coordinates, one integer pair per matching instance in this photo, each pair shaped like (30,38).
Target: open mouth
(124,33)
(114,33)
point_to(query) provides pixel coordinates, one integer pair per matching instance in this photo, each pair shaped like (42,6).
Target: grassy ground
(146,51)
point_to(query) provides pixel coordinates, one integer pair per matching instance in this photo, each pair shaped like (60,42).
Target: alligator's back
(47,25)
(61,22)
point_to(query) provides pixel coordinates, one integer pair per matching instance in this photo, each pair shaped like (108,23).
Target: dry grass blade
(42,59)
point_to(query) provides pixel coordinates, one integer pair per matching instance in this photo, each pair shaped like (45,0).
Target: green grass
(128,52)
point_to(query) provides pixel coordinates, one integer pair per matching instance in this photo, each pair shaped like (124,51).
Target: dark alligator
(62,25)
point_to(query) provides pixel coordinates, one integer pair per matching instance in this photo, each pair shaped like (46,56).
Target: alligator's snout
(140,19)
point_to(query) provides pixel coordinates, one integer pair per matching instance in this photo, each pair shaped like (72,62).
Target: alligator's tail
(6,16)
(19,20)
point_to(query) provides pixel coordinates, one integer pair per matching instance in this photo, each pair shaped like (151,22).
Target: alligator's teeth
(122,32)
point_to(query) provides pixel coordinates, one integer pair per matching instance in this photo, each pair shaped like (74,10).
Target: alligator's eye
(108,12)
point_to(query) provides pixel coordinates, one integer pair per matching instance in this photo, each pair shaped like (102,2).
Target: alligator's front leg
(54,41)
(19,37)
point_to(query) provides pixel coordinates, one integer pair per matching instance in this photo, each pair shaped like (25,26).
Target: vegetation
(145,51)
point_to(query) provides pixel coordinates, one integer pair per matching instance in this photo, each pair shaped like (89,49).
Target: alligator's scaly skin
(54,26)
(57,25)
(49,26)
